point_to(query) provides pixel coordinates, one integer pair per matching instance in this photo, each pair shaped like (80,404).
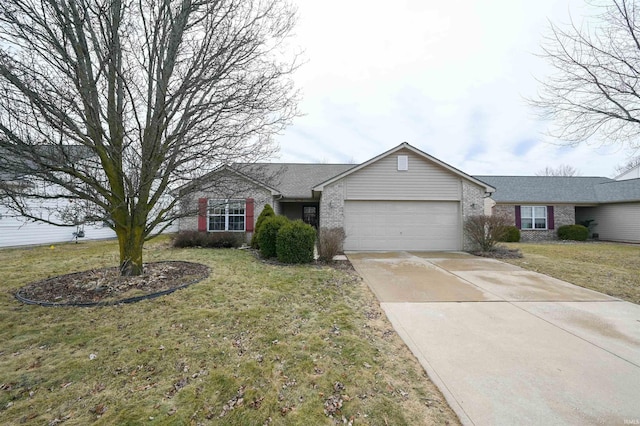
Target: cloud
(450,78)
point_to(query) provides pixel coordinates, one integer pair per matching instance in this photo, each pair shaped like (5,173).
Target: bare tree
(561,170)
(113,103)
(625,167)
(485,232)
(595,89)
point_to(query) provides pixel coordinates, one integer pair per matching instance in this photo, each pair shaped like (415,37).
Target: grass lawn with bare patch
(610,268)
(252,344)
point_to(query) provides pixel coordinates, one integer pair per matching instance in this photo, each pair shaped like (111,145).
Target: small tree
(485,232)
(267,212)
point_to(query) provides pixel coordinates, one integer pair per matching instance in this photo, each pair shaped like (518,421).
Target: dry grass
(253,344)
(610,268)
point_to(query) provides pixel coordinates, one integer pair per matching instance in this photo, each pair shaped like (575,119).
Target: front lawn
(610,268)
(252,344)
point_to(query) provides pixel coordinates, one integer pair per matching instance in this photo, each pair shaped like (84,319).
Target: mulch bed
(499,253)
(106,286)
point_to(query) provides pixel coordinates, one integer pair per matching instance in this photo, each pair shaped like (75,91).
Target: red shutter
(518,218)
(249,215)
(202,214)
(551,223)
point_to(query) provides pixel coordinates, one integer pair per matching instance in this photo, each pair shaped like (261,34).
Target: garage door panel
(402,225)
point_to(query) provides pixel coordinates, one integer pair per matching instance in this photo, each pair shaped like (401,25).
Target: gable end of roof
(405,145)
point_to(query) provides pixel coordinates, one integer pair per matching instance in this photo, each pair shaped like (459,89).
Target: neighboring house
(632,173)
(17,230)
(538,205)
(403,199)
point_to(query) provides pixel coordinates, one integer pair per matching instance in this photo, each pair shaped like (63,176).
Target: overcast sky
(449,77)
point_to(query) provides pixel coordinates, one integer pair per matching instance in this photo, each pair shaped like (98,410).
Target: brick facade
(564,214)
(332,206)
(244,189)
(472,205)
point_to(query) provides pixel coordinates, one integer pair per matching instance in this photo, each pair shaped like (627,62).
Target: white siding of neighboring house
(634,173)
(18,231)
(424,180)
(614,222)
(14,231)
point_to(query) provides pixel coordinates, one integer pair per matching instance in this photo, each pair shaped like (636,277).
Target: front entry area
(402,225)
(308,211)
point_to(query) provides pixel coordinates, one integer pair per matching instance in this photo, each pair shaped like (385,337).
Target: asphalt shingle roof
(293,180)
(559,189)
(617,191)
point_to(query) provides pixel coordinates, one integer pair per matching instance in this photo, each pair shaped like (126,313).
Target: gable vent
(403,163)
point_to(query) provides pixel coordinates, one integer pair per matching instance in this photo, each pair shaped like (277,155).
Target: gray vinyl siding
(424,180)
(615,222)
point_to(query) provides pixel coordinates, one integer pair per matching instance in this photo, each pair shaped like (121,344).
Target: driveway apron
(510,346)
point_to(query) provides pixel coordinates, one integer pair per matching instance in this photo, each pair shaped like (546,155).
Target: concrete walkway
(510,346)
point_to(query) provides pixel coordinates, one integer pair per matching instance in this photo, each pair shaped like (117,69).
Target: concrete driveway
(509,346)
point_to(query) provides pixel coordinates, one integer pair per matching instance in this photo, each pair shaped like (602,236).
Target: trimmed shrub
(511,234)
(295,242)
(264,214)
(208,239)
(330,242)
(573,232)
(188,239)
(268,234)
(225,239)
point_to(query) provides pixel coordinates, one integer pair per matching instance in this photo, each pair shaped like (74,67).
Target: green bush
(208,239)
(511,234)
(268,233)
(264,214)
(295,242)
(573,232)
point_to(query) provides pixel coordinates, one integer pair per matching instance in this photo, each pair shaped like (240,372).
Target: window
(226,215)
(534,217)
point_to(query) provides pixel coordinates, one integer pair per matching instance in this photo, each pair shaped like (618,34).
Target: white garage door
(402,225)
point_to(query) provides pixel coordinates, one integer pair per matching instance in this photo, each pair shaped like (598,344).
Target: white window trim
(533,218)
(214,202)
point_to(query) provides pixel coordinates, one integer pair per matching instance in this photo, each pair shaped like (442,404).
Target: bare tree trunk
(131,242)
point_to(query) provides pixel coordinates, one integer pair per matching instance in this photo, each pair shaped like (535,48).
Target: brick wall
(233,188)
(332,206)
(472,205)
(563,215)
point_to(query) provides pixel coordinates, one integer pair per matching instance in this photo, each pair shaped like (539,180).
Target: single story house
(405,199)
(402,199)
(538,205)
